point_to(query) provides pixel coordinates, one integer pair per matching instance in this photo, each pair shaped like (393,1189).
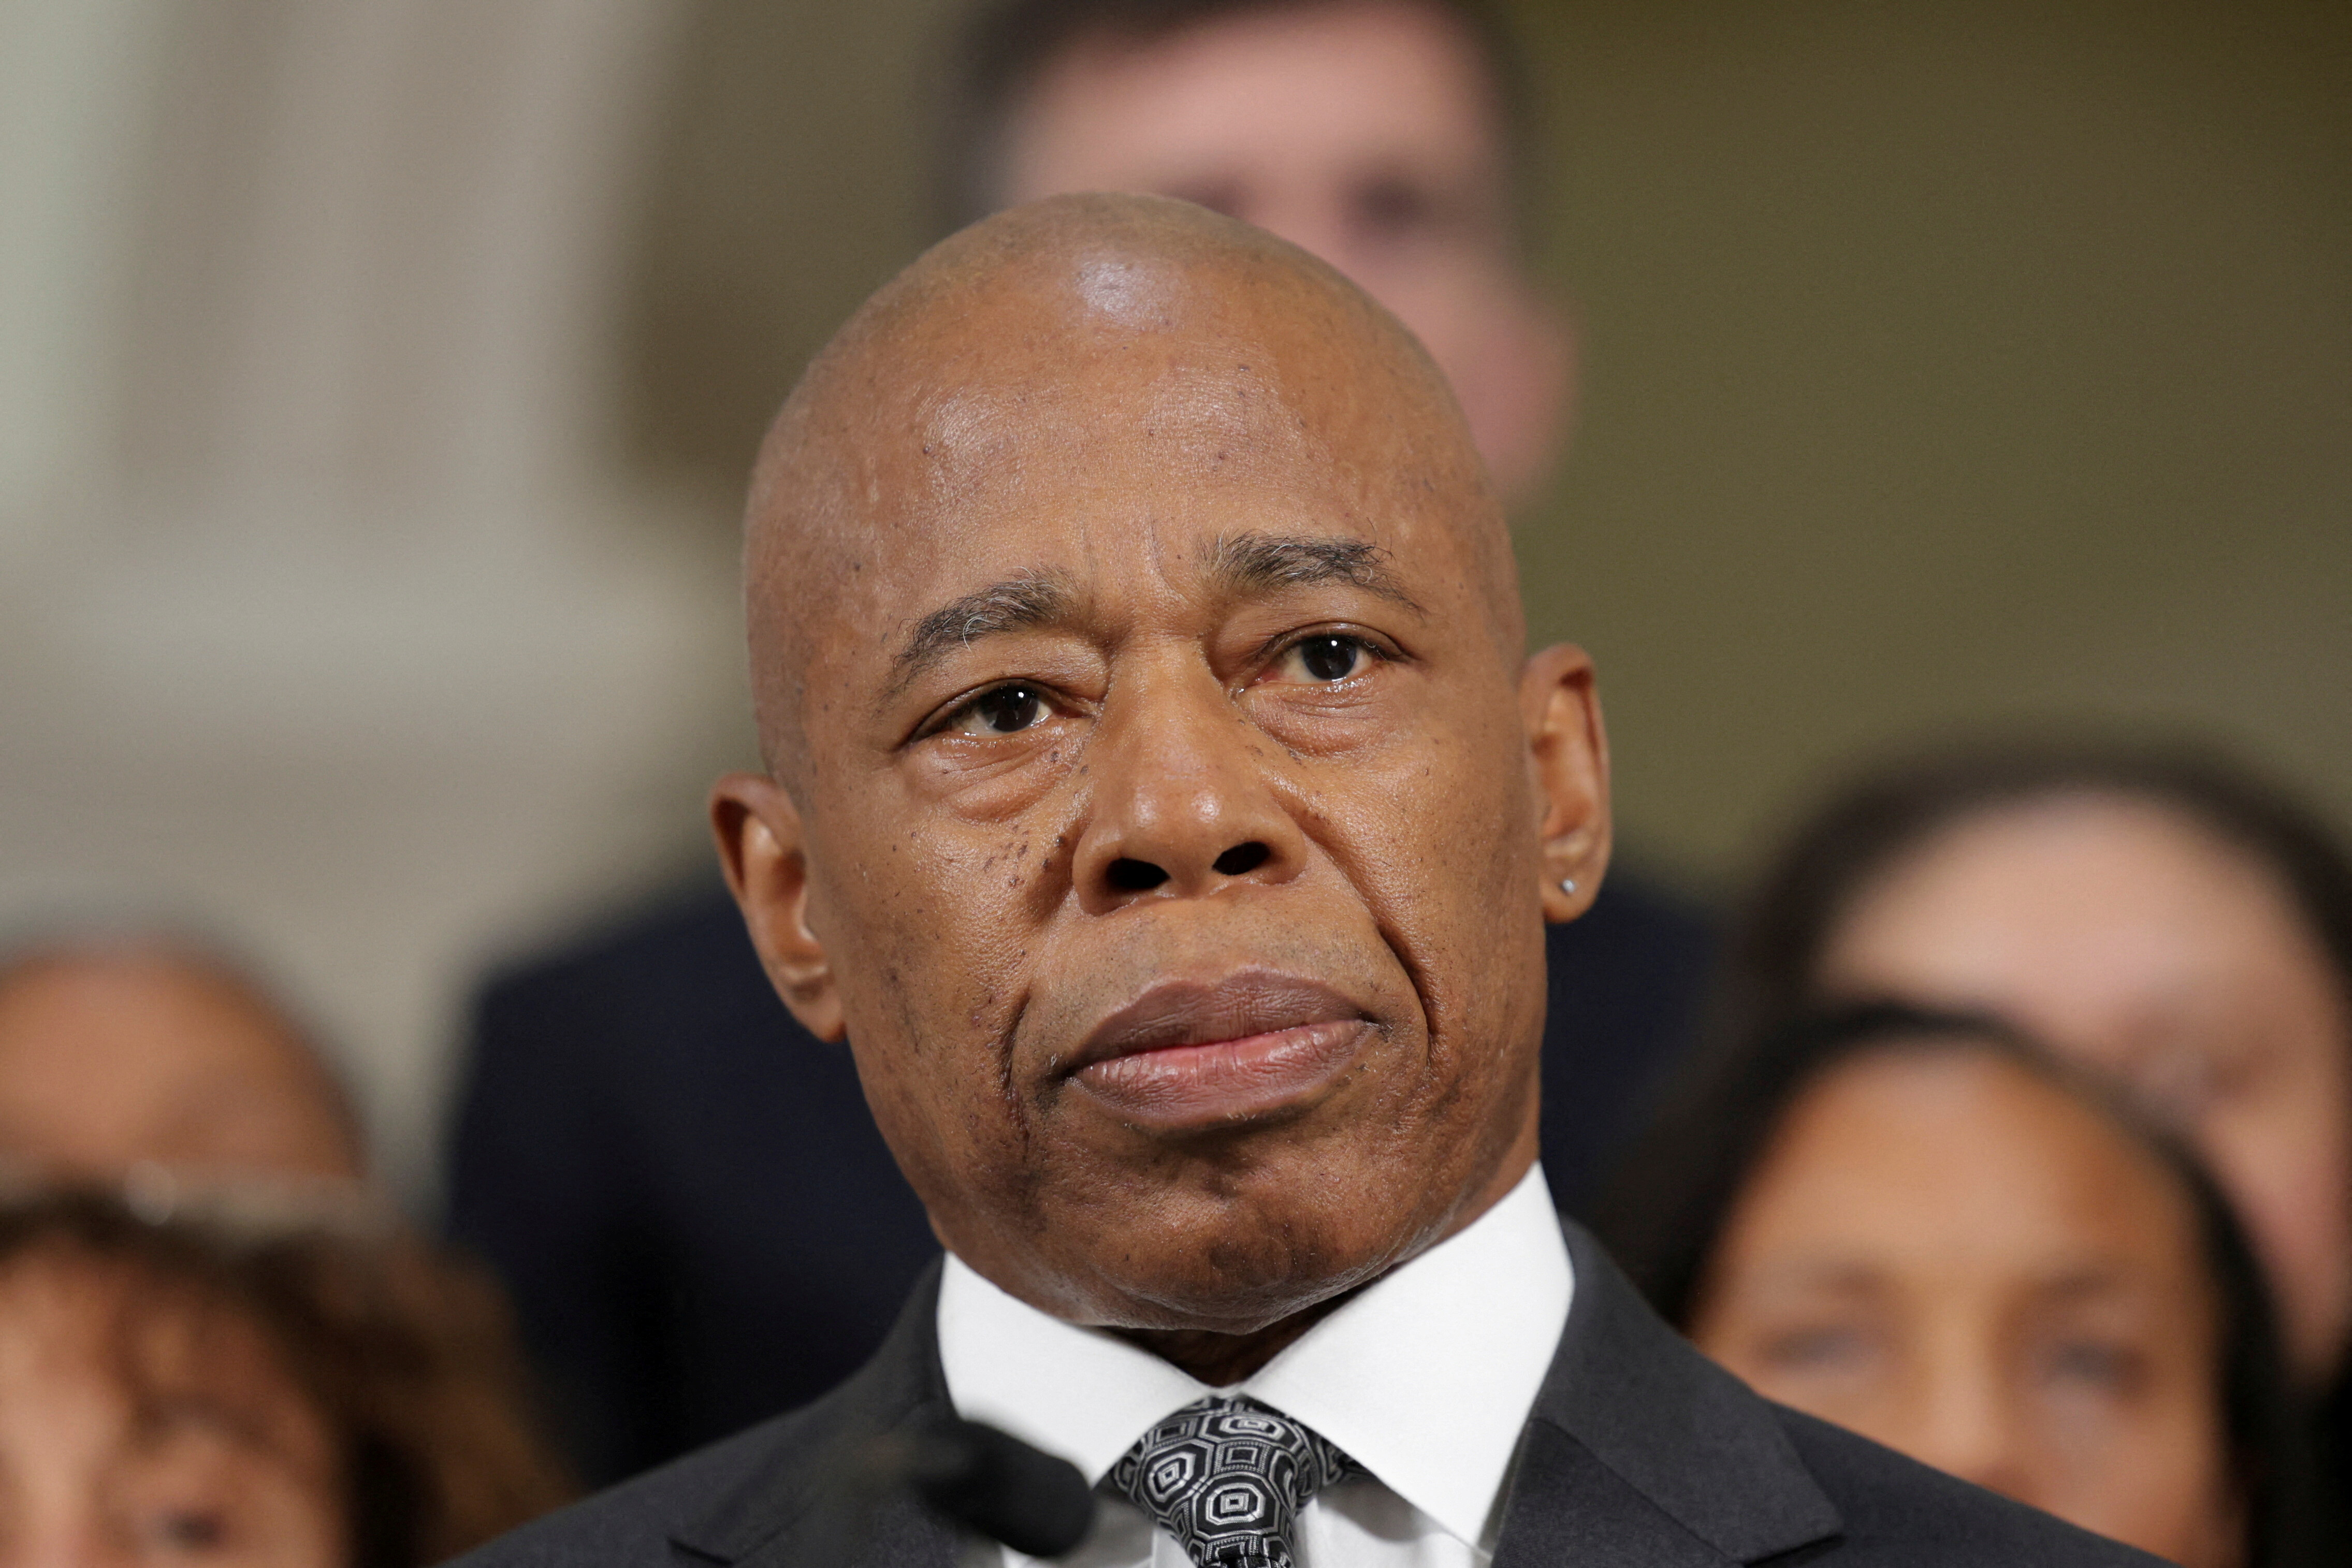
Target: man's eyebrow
(1258,562)
(1013,605)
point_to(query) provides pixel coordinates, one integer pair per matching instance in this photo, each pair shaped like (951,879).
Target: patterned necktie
(1227,1478)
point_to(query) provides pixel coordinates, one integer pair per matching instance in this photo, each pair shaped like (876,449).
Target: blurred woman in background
(129,1045)
(233,1387)
(1917,1225)
(2160,918)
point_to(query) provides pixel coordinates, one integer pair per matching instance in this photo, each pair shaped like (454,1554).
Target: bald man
(698,1224)
(1158,802)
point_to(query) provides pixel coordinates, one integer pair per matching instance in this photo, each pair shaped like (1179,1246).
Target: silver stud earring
(1568,886)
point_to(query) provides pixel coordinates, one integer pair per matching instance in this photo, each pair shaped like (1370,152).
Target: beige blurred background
(377,377)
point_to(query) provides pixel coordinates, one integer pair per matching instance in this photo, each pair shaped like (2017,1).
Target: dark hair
(1006,46)
(407,1359)
(1797,905)
(1665,1212)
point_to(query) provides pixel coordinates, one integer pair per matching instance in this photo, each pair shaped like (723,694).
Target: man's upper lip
(1194,1013)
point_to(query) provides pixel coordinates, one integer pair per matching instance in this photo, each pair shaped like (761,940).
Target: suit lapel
(1639,1450)
(1568,1507)
(812,1505)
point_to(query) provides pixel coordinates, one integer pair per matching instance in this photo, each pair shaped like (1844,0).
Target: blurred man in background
(683,1189)
(1388,137)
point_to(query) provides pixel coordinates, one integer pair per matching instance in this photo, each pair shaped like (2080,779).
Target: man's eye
(1000,710)
(1325,659)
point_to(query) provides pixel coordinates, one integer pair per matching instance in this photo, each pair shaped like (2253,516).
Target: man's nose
(1183,801)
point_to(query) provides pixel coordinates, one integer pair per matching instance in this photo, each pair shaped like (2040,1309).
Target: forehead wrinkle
(1027,599)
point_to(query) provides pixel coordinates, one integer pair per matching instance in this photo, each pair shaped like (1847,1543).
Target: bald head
(1069,323)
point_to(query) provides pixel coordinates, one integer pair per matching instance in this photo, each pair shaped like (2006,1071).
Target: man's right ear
(763,851)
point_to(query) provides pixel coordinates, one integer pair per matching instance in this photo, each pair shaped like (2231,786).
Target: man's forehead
(1095,315)
(1116,325)
(1124,405)
(1217,425)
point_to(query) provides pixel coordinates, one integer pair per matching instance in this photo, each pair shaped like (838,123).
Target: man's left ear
(764,852)
(1568,764)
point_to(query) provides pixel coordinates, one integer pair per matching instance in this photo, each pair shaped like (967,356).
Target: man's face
(1172,836)
(1362,132)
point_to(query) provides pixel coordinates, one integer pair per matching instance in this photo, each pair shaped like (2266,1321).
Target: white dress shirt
(1424,1378)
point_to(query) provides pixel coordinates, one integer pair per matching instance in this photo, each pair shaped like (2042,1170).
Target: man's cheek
(1000,792)
(1392,827)
(974,945)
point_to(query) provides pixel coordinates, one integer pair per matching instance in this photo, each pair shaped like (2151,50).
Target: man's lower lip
(1225,1080)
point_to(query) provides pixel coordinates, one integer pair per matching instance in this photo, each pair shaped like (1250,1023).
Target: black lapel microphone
(990,1482)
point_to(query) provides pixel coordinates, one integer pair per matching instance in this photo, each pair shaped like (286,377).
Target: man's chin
(1236,1280)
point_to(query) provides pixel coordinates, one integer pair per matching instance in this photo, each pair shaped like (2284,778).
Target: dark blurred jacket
(700,1225)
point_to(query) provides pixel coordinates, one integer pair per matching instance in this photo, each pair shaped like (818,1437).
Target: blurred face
(214,1460)
(1174,836)
(2132,940)
(108,1059)
(1364,132)
(1956,1259)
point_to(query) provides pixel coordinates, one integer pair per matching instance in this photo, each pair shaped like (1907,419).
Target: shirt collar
(1425,1377)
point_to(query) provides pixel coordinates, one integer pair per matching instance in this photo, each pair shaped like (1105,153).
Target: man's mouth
(1191,1053)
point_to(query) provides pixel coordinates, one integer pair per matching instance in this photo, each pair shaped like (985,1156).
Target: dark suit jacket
(700,1226)
(1640,1452)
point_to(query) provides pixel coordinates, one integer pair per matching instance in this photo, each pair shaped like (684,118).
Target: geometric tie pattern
(1227,1478)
